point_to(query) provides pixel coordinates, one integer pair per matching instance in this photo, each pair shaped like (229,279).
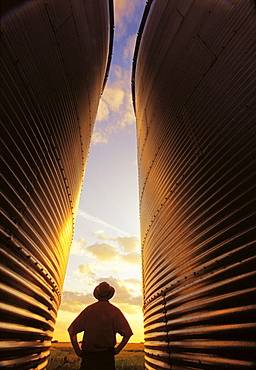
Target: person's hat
(103,292)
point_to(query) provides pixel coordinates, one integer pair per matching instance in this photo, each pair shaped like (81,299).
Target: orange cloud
(115,108)
(103,111)
(77,246)
(103,251)
(114,97)
(125,296)
(128,243)
(98,232)
(132,258)
(99,136)
(75,301)
(126,253)
(85,269)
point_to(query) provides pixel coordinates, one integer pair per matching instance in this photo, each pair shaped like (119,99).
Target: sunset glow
(106,243)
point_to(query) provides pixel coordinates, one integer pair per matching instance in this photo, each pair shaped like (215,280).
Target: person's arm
(73,338)
(121,345)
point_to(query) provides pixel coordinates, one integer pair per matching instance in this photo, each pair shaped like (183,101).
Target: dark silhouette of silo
(55,58)
(194,93)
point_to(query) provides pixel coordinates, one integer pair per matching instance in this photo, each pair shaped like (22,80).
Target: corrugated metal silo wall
(55,59)
(194,90)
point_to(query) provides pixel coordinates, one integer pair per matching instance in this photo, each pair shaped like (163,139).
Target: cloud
(100,235)
(122,79)
(126,253)
(75,301)
(125,243)
(123,294)
(124,14)
(131,281)
(85,274)
(104,237)
(125,297)
(99,222)
(132,258)
(122,249)
(85,269)
(100,137)
(115,109)
(103,111)
(118,72)
(129,47)
(114,98)
(98,232)
(103,251)
(128,243)
(77,247)
(111,100)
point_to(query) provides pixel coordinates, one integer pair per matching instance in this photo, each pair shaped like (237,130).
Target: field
(63,357)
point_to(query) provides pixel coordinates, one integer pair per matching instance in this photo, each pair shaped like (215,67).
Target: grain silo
(194,93)
(55,58)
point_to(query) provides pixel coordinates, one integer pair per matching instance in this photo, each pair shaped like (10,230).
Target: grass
(63,357)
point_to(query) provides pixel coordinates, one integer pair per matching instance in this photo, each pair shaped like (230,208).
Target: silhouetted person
(100,322)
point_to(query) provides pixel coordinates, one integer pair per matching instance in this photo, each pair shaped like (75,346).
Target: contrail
(100,222)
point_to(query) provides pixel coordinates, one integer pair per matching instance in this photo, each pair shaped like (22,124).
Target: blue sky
(106,241)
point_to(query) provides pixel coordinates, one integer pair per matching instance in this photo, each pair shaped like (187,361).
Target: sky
(106,245)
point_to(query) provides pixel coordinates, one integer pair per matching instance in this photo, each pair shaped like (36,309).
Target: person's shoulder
(114,308)
(91,306)
(87,308)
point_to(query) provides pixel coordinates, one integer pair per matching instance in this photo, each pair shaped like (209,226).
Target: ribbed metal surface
(194,91)
(55,60)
